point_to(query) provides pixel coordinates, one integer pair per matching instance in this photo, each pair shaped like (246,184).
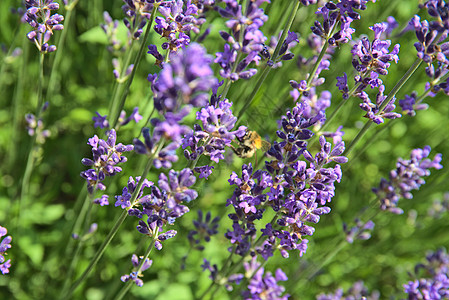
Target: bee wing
(265,146)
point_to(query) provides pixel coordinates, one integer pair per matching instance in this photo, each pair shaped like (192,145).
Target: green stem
(54,74)
(133,72)
(267,69)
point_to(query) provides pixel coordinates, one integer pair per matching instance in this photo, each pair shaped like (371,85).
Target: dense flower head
(434,283)
(313,104)
(341,13)
(179,19)
(407,176)
(106,155)
(216,133)
(356,291)
(263,285)
(5,244)
(439,9)
(430,49)
(204,229)
(252,45)
(164,204)
(137,12)
(371,59)
(39,16)
(137,273)
(186,79)
(361,230)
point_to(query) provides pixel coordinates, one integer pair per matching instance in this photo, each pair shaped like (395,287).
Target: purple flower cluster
(410,104)
(341,13)
(138,12)
(361,230)
(263,285)
(183,82)
(284,53)
(408,176)
(245,38)
(295,189)
(135,275)
(164,204)
(106,155)
(39,16)
(116,47)
(435,284)
(102,122)
(186,79)
(5,244)
(179,19)
(373,59)
(214,136)
(203,229)
(357,291)
(374,111)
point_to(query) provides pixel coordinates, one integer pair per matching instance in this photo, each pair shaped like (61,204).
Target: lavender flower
(39,16)
(138,12)
(204,229)
(124,200)
(409,104)
(215,134)
(5,244)
(284,53)
(102,122)
(135,275)
(357,291)
(164,205)
(185,80)
(361,230)
(251,45)
(263,285)
(373,59)
(408,176)
(106,156)
(342,13)
(179,20)
(36,127)
(373,111)
(435,284)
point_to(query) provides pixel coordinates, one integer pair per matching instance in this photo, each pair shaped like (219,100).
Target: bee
(249,143)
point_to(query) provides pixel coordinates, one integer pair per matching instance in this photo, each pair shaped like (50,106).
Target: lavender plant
(264,134)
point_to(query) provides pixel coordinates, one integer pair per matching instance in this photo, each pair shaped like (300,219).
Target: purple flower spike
(135,276)
(106,155)
(436,283)
(39,16)
(264,285)
(5,244)
(186,79)
(203,230)
(408,176)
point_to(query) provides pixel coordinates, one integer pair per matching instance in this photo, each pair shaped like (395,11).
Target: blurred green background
(84,85)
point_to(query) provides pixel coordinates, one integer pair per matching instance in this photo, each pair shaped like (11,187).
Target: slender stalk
(54,74)
(267,69)
(115,111)
(25,188)
(128,285)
